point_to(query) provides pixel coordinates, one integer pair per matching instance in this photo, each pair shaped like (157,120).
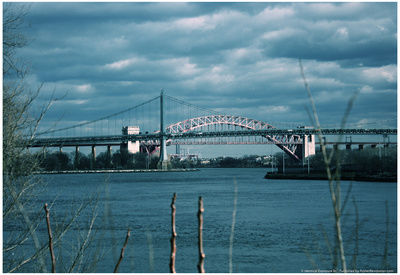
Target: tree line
(368,161)
(121,159)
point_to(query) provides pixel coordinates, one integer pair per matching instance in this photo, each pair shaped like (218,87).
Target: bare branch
(200,265)
(385,263)
(233,226)
(46,106)
(53,259)
(122,251)
(28,222)
(151,252)
(334,190)
(173,237)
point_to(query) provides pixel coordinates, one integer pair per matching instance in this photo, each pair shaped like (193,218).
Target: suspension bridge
(163,121)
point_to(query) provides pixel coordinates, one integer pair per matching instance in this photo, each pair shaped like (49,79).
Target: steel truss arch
(287,143)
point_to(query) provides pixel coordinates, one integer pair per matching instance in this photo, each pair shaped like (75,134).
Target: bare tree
(20,121)
(17,165)
(333,177)
(13,38)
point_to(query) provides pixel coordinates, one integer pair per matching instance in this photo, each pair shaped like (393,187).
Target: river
(280,225)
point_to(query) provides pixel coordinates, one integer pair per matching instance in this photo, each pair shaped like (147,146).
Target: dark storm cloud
(237,58)
(340,32)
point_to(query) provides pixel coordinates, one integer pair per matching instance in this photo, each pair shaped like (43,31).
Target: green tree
(139,160)
(50,163)
(103,160)
(230,162)
(64,161)
(123,159)
(84,162)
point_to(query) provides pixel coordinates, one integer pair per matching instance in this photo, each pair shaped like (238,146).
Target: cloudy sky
(237,58)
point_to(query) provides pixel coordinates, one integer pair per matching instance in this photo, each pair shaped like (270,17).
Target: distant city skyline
(237,58)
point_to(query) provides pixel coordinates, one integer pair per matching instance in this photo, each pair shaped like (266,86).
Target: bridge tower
(163,163)
(131,147)
(308,148)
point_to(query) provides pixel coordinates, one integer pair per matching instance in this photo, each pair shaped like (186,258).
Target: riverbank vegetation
(366,162)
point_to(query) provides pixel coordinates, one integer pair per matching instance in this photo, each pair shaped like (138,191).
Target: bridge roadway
(118,139)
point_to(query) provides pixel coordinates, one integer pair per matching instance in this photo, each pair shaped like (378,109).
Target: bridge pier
(76,162)
(93,160)
(308,146)
(164,163)
(109,155)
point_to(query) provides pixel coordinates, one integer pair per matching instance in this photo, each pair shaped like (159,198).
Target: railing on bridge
(274,136)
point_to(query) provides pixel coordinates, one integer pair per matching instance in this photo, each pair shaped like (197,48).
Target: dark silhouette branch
(122,251)
(173,237)
(53,259)
(200,265)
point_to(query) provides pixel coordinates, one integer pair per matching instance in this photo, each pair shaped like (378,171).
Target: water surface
(281,225)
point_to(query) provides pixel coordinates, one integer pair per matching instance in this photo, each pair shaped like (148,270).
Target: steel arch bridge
(288,143)
(293,142)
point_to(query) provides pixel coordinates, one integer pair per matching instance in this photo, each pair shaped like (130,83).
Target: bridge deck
(118,139)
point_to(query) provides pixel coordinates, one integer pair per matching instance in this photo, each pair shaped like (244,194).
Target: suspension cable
(102,118)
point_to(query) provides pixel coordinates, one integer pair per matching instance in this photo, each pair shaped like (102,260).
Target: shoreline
(347,176)
(116,171)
